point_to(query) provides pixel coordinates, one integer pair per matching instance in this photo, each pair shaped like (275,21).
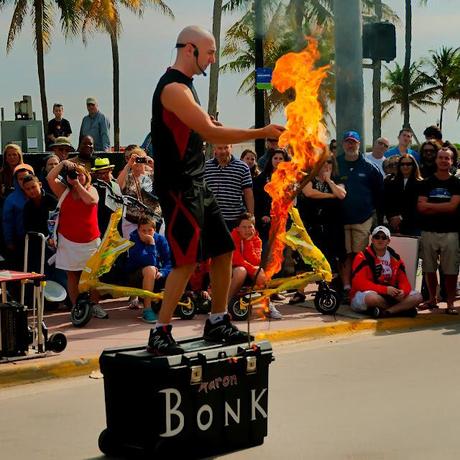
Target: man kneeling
(379,282)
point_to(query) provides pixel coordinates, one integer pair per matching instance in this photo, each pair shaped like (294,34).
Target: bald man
(377,156)
(195,228)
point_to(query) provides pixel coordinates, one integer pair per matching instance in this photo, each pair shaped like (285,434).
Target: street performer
(195,228)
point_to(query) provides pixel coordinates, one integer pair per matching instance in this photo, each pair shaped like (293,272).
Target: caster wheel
(107,443)
(186,311)
(57,342)
(238,309)
(327,301)
(82,312)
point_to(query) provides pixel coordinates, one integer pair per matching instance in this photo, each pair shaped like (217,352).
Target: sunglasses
(406,164)
(428,150)
(329,162)
(379,237)
(383,144)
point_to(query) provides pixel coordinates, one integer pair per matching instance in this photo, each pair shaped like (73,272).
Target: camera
(72,174)
(141,160)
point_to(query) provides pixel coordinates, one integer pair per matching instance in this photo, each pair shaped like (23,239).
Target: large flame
(305,136)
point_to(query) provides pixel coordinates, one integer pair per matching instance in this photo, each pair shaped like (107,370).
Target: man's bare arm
(249,199)
(434,208)
(178,98)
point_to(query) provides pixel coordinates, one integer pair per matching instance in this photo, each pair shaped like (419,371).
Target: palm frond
(17,20)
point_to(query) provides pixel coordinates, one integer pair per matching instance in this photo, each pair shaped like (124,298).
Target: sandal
(427,306)
(451,311)
(297,298)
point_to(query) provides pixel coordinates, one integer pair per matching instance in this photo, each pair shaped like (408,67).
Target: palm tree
(104,15)
(422,89)
(42,13)
(407,60)
(279,39)
(298,19)
(445,64)
(214,73)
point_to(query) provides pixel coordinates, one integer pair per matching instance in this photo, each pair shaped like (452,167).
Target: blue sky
(74,71)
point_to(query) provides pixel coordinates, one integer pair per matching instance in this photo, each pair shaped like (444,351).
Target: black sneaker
(161,342)
(224,332)
(375,312)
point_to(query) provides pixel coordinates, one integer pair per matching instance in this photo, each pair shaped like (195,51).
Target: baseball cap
(381,228)
(91,100)
(354,135)
(23,167)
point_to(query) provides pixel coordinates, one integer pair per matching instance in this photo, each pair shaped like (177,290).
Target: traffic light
(379,41)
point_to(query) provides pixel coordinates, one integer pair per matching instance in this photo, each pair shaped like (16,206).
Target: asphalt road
(392,396)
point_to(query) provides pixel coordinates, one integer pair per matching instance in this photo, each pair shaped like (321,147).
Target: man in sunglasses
(380,286)
(376,157)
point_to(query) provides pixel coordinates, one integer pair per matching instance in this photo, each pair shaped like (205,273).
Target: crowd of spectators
(351,209)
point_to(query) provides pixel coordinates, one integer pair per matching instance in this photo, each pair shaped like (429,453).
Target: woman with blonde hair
(136,180)
(12,156)
(77,228)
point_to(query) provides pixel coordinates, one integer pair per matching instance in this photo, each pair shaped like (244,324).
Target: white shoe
(273,312)
(99,312)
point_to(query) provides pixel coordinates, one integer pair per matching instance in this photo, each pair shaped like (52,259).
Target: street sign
(263,78)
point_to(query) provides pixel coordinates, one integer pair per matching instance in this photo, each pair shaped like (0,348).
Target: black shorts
(195,228)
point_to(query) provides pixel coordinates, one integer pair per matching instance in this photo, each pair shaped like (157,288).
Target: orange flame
(305,135)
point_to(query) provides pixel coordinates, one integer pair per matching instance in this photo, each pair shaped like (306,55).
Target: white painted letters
(204,426)
(255,404)
(170,411)
(229,411)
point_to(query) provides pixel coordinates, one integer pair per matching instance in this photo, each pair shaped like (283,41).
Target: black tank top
(178,150)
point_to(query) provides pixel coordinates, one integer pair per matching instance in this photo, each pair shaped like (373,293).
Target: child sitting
(149,259)
(246,259)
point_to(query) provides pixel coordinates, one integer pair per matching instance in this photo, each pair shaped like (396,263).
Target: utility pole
(349,69)
(259,55)
(376,83)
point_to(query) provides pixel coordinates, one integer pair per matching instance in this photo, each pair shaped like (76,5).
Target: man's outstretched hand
(273,131)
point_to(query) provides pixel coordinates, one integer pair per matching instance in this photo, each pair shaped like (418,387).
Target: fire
(305,135)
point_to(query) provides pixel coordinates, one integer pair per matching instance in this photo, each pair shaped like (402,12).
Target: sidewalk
(124,328)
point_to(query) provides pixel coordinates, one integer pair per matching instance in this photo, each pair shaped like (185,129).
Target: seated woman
(150,260)
(379,284)
(246,259)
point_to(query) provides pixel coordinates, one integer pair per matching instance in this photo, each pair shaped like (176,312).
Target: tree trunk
(214,74)
(38,5)
(376,84)
(407,59)
(442,112)
(116,90)
(259,58)
(299,13)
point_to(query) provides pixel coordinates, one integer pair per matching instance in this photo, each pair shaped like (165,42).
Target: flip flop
(427,306)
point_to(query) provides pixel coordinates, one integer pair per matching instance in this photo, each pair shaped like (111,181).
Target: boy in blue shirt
(149,259)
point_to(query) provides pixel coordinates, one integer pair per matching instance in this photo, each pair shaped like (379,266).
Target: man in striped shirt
(231,183)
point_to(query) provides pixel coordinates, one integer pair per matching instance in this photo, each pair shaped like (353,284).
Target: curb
(35,371)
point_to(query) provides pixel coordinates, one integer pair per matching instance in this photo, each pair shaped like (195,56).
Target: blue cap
(354,135)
